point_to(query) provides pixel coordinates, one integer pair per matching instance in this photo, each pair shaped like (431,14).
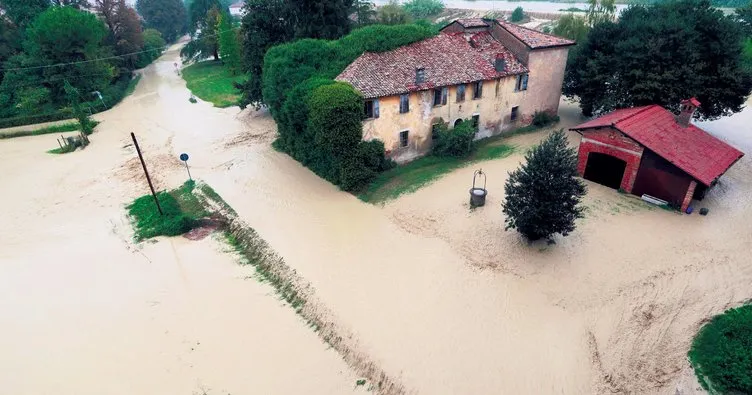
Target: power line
(99,59)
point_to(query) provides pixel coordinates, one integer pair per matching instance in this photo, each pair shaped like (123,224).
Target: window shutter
(376,108)
(444,93)
(524,82)
(480,89)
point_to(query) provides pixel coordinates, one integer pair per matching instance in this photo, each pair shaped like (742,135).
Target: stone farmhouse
(489,72)
(649,151)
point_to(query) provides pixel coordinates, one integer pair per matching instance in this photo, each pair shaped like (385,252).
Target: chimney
(687,108)
(420,76)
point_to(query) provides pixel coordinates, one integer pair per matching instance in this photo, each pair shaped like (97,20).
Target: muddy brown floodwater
(438,295)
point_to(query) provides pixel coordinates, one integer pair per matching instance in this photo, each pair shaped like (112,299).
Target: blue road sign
(184,157)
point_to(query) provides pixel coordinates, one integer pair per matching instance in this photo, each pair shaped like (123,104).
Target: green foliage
(181,209)
(748,55)
(721,353)
(517,15)
(572,27)
(543,195)
(325,19)
(542,119)
(23,12)
(364,11)
(420,9)
(327,139)
(744,17)
(198,10)
(54,129)
(601,11)
(212,82)
(229,45)
(169,17)
(457,142)
(265,24)
(661,54)
(154,44)
(393,14)
(206,42)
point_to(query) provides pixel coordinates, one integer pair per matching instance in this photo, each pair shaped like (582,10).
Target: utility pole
(148,179)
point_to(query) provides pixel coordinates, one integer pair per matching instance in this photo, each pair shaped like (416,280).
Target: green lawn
(412,176)
(181,212)
(211,82)
(66,127)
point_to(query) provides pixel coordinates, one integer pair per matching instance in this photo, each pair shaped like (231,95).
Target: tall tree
(169,17)
(9,41)
(661,54)
(327,19)
(229,47)
(572,27)
(393,13)
(744,16)
(601,11)
(61,44)
(543,195)
(22,12)
(124,25)
(364,11)
(198,11)
(265,24)
(206,42)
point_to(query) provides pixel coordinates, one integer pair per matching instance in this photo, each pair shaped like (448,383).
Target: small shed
(649,150)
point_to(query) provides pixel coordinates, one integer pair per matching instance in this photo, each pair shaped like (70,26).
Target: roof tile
(690,148)
(448,59)
(533,38)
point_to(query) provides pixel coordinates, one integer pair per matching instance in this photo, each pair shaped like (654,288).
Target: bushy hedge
(319,120)
(419,9)
(721,354)
(457,142)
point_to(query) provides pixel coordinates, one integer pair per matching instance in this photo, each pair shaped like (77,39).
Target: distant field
(211,82)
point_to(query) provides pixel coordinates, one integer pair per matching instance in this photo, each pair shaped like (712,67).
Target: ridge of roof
(530,42)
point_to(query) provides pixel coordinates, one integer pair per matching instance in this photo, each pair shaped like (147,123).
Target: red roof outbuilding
(691,149)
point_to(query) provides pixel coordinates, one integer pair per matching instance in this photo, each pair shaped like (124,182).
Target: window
(440,96)
(434,131)
(372,108)
(404,103)
(521,84)
(477,90)
(420,76)
(476,121)
(460,93)
(515,112)
(403,138)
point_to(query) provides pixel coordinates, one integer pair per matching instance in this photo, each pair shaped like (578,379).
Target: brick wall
(688,196)
(600,141)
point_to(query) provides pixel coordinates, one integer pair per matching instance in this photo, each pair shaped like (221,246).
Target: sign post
(146,172)
(184,158)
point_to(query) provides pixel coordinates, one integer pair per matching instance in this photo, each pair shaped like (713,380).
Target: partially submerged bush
(420,9)
(181,212)
(721,353)
(457,142)
(542,118)
(517,15)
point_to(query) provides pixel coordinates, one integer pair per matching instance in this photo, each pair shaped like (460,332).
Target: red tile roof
(690,148)
(448,59)
(473,22)
(533,38)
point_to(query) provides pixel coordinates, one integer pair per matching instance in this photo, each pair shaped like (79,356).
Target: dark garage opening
(605,169)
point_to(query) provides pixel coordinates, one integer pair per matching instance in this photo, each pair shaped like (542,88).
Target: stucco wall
(546,78)
(494,109)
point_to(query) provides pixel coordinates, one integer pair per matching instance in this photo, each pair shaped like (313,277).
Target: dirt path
(85,311)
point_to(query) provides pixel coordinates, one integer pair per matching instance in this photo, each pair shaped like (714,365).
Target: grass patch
(211,82)
(412,176)
(66,127)
(721,353)
(64,150)
(181,208)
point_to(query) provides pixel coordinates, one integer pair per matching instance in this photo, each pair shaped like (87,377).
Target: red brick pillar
(688,196)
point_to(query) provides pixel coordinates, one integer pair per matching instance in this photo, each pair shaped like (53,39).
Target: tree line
(90,46)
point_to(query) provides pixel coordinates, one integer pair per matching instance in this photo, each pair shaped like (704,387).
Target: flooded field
(437,294)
